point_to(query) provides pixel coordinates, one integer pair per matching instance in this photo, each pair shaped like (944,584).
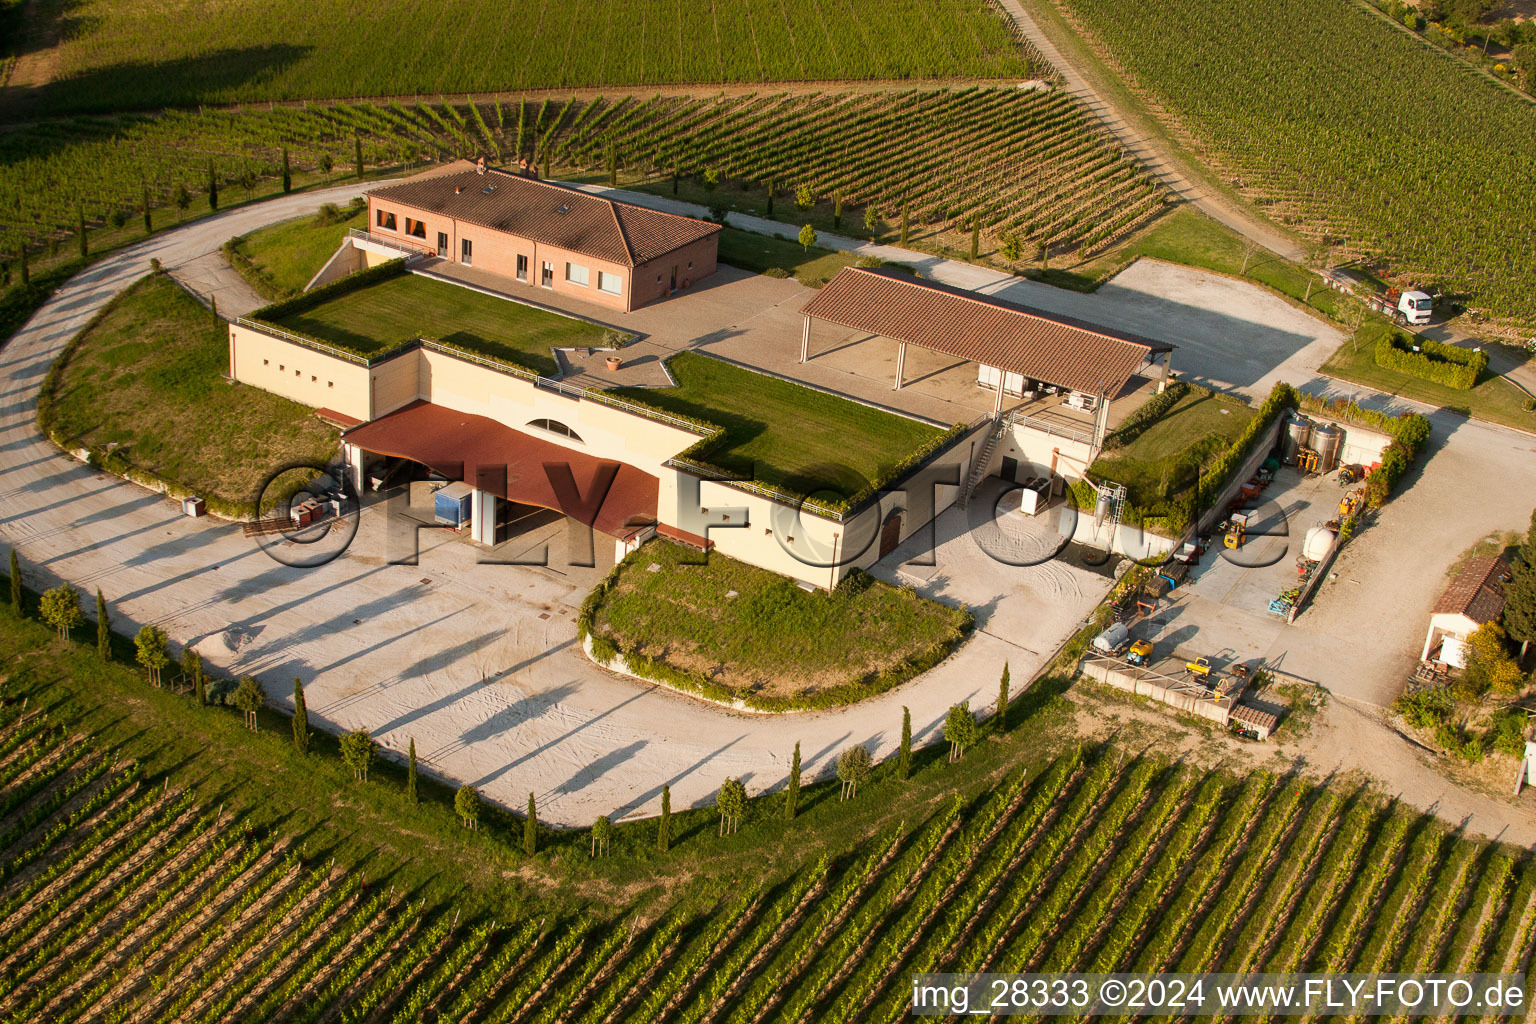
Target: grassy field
(784,435)
(1493,398)
(137,56)
(159,859)
(380,316)
(1164,461)
(1295,118)
(771,639)
(148,377)
(284,257)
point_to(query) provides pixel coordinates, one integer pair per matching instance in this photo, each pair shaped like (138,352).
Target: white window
(576,274)
(613,284)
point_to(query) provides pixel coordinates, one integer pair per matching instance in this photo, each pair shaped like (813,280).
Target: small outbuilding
(1474,598)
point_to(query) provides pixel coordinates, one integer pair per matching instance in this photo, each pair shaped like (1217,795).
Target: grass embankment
(380,316)
(784,435)
(758,636)
(1492,398)
(147,376)
(1164,461)
(281,259)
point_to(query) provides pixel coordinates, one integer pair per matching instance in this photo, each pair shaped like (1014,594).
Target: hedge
(603,650)
(1282,399)
(351,283)
(1139,421)
(1435,361)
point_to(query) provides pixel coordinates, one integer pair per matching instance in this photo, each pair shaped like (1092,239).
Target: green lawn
(1164,461)
(784,435)
(1493,398)
(284,257)
(149,377)
(380,316)
(772,640)
(763,253)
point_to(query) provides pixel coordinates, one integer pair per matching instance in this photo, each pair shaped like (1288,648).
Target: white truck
(1412,307)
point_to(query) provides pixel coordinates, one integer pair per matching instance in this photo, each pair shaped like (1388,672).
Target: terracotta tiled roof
(1477,591)
(1042,346)
(600,493)
(547,213)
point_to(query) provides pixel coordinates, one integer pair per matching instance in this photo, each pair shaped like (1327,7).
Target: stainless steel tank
(1327,439)
(1298,435)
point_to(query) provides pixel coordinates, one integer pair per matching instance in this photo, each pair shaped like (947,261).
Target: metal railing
(1046,426)
(392,243)
(300,339)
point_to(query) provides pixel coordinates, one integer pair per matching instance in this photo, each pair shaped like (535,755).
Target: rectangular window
(546,274)
(385,220)
(613,284)
(576,274)
(522,268)
(465,252)
(415,228)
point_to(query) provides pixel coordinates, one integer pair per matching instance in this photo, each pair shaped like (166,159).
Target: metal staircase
(982,464)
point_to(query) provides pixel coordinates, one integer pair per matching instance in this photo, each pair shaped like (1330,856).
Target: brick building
(545,235)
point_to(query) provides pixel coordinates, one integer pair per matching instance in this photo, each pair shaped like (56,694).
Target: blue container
(451,505)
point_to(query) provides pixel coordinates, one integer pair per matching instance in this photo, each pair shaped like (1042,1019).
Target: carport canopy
(605,494)
(1040,346)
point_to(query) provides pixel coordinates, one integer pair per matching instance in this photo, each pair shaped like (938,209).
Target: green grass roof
(785,435)
(377,317)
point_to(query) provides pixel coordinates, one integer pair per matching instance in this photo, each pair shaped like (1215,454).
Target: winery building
(545,235)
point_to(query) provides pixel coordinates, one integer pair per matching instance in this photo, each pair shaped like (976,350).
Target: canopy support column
(901,362)
(997,398)
(1162,378)
(805,341)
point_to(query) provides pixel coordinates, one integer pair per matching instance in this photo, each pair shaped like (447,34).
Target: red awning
(602,493)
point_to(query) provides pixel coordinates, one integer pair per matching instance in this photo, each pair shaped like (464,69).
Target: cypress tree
(674,179)
(906,216)
(664,825)
(837,212)
(410,777)
(531,828)
(26,276)
(213,308)
(213,187)
(103,629)
(357,153)
(792,794)
(975,238)
(1002,701)
(300,718)
(80,233)
(15,583)
(199,678)
(148,227)
(287,173)
(904,758)
(770,197)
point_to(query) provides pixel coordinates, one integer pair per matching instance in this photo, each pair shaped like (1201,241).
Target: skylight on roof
(488,189)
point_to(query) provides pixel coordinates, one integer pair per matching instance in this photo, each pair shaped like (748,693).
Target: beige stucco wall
(396,383)
(299,373)
(605,432)
(1040,450)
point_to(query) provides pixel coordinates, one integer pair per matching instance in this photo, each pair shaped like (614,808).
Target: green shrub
(1507,736)
(1424,709)
(1434,361)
